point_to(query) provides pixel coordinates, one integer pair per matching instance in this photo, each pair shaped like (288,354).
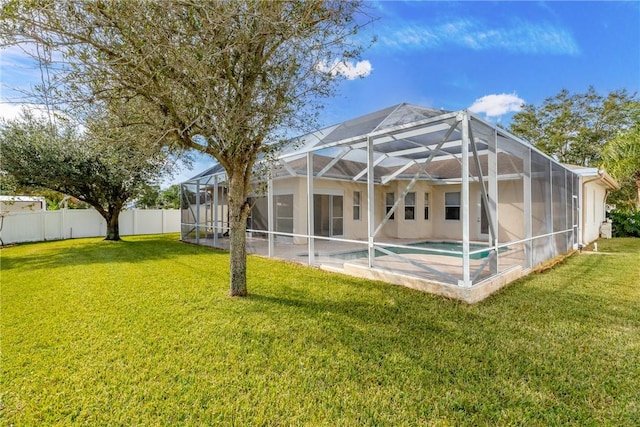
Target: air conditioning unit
(605,230)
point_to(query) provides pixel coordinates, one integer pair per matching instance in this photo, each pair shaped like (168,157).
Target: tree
(224,78)
(152,197)
(621,158)
(99,166)
(170,197)
(573,128)
(148,197)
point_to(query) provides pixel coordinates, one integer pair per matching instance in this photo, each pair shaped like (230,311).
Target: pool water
(445,246)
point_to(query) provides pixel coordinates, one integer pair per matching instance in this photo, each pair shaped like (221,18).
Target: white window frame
(410,205)
(448,205)
(426,206)
(387,206)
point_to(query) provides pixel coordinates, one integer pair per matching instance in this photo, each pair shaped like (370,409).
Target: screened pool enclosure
(440,201)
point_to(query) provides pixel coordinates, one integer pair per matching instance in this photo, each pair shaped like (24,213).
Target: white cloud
(519,36)
(497,105)
(347,69)
(9,111)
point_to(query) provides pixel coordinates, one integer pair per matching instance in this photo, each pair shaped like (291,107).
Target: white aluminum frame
(461,121)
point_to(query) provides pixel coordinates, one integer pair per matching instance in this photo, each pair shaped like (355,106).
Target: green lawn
(141,332)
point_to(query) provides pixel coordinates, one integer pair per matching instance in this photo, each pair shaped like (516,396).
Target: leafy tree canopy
(147,197)
(170,197)
(98,165)
(152,197)
(621,158)
(221,77)
(574,128)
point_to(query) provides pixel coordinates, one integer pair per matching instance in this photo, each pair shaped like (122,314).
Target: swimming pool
(437,245)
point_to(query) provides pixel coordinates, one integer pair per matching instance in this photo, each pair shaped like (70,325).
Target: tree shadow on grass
(51,255)
(355,314)
(516,309)
(525,334)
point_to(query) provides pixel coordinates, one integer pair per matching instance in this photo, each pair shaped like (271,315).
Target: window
(426,205)
(284,213)
(452,205)
(337,216)
(389,200)
(356,205)
(328,219)
(410,206)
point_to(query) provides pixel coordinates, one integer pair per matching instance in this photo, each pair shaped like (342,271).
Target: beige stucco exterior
(593,212)
(594,186)
(510,209)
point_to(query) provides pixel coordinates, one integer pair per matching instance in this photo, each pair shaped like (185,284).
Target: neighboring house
(459,207)
(22,204)
(595,184)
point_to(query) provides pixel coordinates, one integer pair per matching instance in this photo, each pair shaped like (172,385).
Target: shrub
(625,223)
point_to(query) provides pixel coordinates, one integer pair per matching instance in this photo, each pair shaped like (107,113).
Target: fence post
(44,226)
(63,224)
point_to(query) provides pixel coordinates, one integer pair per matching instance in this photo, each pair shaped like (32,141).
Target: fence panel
(19,227)
(171,220)
(23,227)
(84,223)
(53,225)
(126,223)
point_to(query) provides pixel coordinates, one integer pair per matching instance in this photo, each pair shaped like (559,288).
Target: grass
(142,332)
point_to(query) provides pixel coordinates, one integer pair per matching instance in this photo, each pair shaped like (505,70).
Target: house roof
(353,129)
(22,199)
(393,116)
(335,170)
(407,141)
(599,175)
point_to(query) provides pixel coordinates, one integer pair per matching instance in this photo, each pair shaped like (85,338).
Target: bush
(625,223)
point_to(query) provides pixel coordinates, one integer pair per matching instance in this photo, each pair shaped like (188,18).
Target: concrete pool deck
(415,271)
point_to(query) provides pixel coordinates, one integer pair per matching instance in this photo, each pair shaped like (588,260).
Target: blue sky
(487,56)
(451,54)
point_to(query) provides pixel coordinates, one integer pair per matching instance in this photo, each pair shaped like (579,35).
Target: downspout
(607,190)
(602,176)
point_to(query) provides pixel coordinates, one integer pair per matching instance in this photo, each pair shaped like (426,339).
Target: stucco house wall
(594,195)
(595,184)
(510,209)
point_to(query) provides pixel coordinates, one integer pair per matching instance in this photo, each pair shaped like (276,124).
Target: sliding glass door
(328,215)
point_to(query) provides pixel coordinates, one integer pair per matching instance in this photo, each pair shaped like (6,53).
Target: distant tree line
(153,197)
(591,130)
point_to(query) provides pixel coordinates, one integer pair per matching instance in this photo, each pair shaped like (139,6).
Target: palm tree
(621,159)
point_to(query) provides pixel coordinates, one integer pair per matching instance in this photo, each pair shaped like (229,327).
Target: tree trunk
(113,225)
(238,212)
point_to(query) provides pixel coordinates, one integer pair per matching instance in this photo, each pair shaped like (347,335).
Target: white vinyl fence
(38,226)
